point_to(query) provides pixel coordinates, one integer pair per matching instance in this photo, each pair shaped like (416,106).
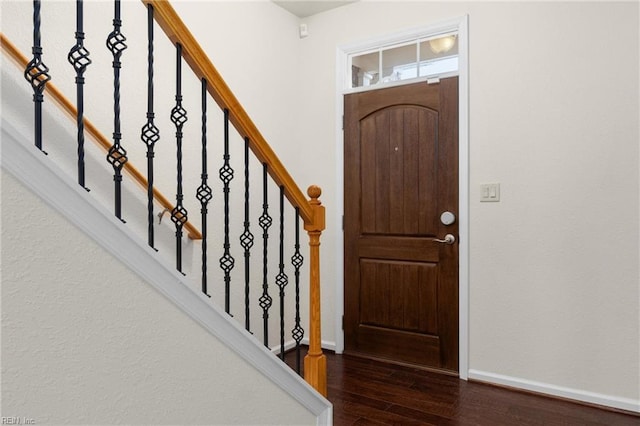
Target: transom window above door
(424,57)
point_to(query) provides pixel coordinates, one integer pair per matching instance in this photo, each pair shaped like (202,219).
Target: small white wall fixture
(460,26)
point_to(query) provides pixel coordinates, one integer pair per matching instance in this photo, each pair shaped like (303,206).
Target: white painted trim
(423,31)
(461,25)
(325,344)
(49,182)
(398,83)
(560,391)
(341,61)
(464,163)
(290,344)
(287,346)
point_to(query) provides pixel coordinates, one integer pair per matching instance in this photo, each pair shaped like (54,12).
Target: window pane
(365,69)
(438,47)
(399,63)
(439,55)
(420,57)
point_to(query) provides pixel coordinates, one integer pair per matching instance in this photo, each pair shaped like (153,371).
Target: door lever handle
(448,239)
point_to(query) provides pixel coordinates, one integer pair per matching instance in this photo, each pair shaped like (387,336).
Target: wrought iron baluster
(296,260)
(265,222)
(117,155)
(226,175)
(281,279)
(204,194)
(79,58)
(150,133)
(179,117)
(37,74)
(246,239)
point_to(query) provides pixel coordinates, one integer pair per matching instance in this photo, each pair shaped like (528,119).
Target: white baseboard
(325,344)
(330,346)
(287,346)
(560,391)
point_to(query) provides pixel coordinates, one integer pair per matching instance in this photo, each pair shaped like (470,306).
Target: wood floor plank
(341,416)
(374,415)
(369,392)
(421,415)
(342,396)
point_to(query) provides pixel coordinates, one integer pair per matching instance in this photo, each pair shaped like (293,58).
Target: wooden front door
(401,174)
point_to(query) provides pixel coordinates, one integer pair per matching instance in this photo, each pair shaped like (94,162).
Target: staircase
(225,301)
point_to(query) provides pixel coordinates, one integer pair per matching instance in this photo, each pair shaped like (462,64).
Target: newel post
(315,363)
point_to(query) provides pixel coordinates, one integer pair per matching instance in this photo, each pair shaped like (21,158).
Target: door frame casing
(461,26)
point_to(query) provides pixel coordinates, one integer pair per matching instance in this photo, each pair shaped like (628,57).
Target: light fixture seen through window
(442,44)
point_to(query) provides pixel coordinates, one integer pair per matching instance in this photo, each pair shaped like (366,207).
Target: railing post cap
(317,224)
(314,192)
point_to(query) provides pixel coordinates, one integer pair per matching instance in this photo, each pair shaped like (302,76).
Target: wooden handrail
(194,55)
(67,106)
(311,212)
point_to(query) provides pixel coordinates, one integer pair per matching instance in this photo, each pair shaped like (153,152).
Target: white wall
(554,270)
(105,347)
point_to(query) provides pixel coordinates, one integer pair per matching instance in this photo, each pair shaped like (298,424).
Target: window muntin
(425,57)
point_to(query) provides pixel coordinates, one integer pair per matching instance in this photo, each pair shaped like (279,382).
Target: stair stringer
(44,178)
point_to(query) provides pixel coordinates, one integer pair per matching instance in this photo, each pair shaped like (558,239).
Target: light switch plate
(489,192)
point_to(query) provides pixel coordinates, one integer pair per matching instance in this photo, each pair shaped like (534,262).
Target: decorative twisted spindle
(246,239)
(281,279)
(226,175)
(297,260)
(179,117)
(117,155)
(150,133)
(37,74)
(79,58)
(265,222)
(203,193)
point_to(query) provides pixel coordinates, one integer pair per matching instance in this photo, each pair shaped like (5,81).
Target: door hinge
(343,322)
(343,122)
(343,222)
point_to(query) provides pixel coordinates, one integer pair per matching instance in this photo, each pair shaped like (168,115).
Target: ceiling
(302,8)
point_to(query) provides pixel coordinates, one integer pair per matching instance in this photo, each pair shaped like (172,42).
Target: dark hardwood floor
(367,392)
